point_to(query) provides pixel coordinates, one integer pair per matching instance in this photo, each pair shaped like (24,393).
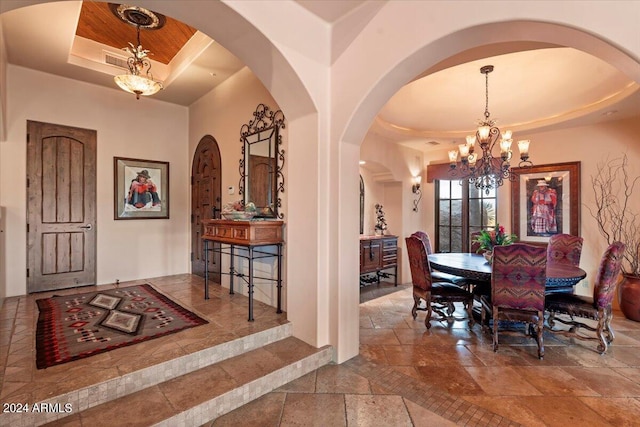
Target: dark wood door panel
(61,207)
(205,203)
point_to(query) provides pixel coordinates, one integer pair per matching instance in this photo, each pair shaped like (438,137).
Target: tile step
(200,396)
(100,393)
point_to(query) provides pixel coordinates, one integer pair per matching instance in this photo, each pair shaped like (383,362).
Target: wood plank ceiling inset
(97,23)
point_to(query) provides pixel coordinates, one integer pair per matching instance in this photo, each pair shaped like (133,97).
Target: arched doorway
(206,190)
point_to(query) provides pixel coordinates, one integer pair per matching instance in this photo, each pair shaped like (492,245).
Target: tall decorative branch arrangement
(617,221)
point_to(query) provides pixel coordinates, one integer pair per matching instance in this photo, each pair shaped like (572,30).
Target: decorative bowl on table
(488,255)
(239,215)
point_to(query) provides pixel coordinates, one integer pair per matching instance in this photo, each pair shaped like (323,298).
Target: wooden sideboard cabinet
(379,253)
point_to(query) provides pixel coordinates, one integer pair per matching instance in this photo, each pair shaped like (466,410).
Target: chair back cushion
(564,249)
(420,270)
(608,273)
(425,240)
(518,276)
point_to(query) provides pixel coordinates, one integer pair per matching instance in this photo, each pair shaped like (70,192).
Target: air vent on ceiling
(117,61)
(433,143)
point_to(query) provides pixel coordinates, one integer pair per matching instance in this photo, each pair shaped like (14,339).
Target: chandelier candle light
(487,172)
(138,80)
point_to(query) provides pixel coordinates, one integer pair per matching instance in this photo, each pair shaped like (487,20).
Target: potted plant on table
(618,217)
(487,239)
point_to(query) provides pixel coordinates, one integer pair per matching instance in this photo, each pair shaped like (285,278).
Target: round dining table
(561,278)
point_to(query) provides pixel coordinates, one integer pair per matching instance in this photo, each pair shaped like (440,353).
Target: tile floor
(407,375)
(21,381)
(404,375)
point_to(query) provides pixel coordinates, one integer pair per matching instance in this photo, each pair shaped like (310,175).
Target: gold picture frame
(545,201)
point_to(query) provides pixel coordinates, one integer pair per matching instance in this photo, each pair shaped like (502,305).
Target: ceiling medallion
(138,16)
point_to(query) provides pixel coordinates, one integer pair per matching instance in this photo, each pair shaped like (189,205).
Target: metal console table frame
(251,235)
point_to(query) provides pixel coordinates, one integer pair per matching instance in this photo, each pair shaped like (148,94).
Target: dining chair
(564,249)
(438,296)
(517,290)
(597,308)
(440,276)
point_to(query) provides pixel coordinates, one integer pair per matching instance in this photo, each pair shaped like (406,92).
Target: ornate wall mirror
(261,178)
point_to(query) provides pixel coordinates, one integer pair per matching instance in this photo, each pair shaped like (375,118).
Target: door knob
(87,227)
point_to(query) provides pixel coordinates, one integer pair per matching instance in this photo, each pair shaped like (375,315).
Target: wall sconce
(415,189)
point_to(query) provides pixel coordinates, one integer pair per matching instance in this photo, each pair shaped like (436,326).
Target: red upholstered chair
(564,249)
(597,308)
(439,276)
(517,289)
(438,296)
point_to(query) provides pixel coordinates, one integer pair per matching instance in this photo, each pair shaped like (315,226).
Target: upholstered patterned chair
(438,296)
(517,289)
(439,276)
(597,308)
(564,249)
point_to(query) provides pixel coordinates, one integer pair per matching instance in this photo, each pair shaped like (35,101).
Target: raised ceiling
(96,22)
(534,87)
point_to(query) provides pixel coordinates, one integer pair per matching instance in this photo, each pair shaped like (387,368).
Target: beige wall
(221,113)
(330,104)
(126,127)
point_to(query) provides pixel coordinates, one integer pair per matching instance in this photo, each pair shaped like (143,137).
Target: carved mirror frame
(263,128)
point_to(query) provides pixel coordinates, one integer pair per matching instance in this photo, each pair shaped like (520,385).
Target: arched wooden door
(206,191)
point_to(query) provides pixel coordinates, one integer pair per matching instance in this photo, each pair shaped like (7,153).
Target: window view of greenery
(461,211)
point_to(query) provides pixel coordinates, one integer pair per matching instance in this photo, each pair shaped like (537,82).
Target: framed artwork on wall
(545,201)
(141,189)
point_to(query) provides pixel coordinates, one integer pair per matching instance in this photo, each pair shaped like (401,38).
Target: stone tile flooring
(21,381)
(404,375)
(407,375)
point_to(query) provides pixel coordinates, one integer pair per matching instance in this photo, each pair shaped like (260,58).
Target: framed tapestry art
(545,201)
(141,189)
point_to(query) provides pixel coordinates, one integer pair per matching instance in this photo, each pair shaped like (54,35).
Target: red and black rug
(73,327)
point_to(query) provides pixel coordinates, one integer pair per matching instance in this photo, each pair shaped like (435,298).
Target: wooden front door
(61,207)
(206,203)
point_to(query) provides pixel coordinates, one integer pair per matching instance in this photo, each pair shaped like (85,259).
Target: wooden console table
(378,253)
(252,235)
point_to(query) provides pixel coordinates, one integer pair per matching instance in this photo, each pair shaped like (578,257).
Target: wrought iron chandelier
(487,172)
(139,80)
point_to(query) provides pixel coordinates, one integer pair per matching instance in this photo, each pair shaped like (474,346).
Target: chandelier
(139,80)
(487,172)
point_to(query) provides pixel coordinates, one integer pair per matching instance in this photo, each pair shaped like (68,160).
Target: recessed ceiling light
(362,162)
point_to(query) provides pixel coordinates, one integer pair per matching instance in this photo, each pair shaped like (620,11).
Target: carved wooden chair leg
(414,310)
(550,320)
(427,319)
(539,333)
(600,333)
(607,327)
(495,328)
(469,307)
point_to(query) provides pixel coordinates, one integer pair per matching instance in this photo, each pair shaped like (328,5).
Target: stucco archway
(427,57)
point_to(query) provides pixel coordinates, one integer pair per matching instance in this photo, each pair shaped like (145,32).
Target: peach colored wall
(330,106)
(221,113)
(126,127)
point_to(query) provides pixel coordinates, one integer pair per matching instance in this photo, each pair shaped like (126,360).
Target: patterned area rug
(73,327)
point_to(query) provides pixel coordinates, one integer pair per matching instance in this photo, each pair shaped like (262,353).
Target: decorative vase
(488,255)
(629,297)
